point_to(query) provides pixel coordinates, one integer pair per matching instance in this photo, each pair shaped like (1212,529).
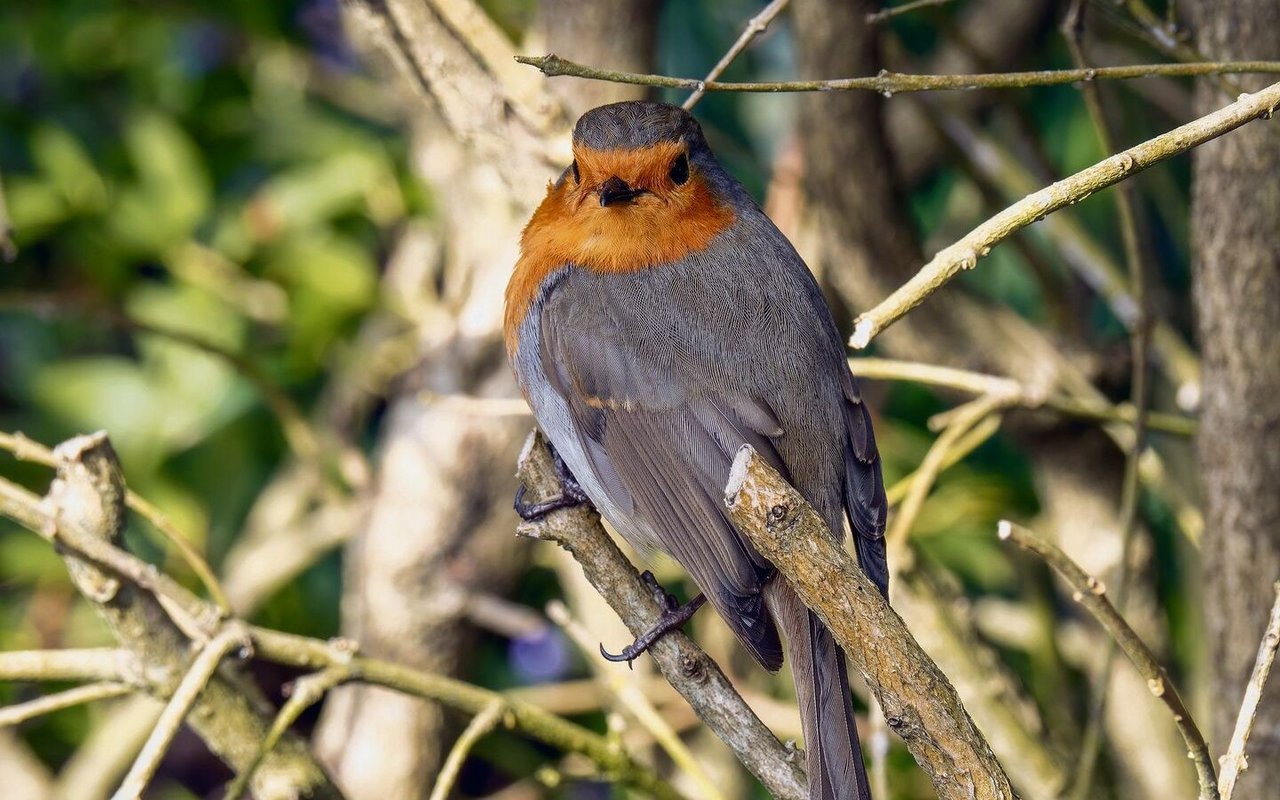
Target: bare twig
(481,724)
(611,762)
(685,666)
(971,441)
(305,693)
(964,254)
(1080,250)
(175,712)
(890,83)
(969,416)
(21,712)
(919,703)
(99,664)
(1024,395)
(1091,593)
(884,15)
(83,515)
(755,26)
(188,611)
(1234,762)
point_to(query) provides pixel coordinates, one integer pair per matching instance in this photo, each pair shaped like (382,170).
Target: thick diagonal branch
(918,700)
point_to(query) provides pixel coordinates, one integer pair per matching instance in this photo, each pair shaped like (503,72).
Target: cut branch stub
(88,494)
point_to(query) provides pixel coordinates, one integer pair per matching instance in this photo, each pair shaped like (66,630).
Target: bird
(657,321)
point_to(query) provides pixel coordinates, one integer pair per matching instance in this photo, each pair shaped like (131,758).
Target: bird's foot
(673,616)
(571,493)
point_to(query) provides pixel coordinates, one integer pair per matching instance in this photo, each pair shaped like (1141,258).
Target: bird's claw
(673,616)
(571,493)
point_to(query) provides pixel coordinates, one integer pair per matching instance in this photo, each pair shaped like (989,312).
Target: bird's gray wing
(661,447)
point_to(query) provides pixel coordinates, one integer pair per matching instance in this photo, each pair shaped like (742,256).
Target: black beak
(616,190)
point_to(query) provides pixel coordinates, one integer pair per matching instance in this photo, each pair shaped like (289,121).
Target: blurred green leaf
(172,192)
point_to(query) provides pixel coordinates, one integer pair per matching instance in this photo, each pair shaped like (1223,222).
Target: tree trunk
(441,527)
(1235,227)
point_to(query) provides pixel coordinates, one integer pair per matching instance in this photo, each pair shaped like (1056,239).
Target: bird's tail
(833,752)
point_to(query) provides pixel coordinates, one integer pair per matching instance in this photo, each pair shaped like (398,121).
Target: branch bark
(85,507)
(918,701)
(86,499)
(693,674)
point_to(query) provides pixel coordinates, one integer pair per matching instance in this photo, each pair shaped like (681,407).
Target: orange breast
(571,227)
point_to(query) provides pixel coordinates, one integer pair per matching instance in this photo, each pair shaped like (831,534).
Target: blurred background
(264,250)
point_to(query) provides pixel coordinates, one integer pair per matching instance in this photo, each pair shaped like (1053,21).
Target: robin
(656,321)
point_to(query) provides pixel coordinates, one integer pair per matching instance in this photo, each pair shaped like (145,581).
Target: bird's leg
(571,493)
(673,616)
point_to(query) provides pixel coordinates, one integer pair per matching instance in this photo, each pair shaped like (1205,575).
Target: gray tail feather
(832,750)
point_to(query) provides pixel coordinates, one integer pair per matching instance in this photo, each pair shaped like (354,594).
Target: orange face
(615,211)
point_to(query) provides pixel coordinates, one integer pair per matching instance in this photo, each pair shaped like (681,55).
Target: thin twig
(1026,396)
(970,414)
(884,15)
(964,254)
(611,762)
(99,664)
(1234,762)
(891,83)
(1139,338)
(481,724)
(1091,593)
(1080,249)
(1160,36)
(971,441)
(188,611)
(29,510)
(175,712)
(306,692)
(755,26)
(628,694)
(21,712)
(83,515)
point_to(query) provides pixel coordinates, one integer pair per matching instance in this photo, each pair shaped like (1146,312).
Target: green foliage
(177,169)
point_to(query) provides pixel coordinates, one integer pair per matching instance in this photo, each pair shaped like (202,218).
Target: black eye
(574,166)
(680,170)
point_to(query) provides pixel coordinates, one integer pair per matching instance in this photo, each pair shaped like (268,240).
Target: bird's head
(643,189)
(635,156)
